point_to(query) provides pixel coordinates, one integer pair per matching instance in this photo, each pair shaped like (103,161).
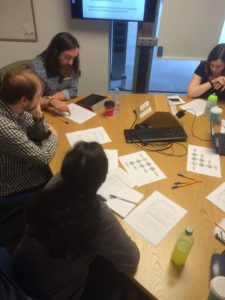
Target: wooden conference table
(156,275)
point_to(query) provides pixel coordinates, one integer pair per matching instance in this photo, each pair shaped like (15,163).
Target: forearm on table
(195,91)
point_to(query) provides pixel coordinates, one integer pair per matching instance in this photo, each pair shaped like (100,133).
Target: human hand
(219,83)
(37,112)
(52,130)
(59,106)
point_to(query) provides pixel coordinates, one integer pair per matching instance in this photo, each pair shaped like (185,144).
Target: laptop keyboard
(140,135)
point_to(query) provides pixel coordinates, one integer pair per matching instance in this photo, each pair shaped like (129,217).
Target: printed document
(97,134)
(79,114)
(195,107)
(217,197)
(155,217)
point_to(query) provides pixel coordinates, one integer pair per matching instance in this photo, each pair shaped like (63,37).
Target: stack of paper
(118,192)
(155,217)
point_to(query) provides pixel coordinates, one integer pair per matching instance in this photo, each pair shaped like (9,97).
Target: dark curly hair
(65,217)
(62,41)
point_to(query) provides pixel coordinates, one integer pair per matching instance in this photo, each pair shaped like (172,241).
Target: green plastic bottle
(212,101)
(183,247)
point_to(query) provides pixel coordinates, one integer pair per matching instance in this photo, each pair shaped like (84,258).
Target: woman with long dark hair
(209,76)
(59,68)
(68,225)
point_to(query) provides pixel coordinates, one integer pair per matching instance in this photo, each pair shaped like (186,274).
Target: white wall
(53,16)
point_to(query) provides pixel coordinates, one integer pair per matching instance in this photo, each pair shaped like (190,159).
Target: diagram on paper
(142,168)
(203,160)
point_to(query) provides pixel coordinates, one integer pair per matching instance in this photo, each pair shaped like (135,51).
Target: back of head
(19,83)
(62,41)
(65,218)
(85,167)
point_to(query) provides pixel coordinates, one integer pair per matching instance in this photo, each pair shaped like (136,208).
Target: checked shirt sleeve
(37,129)
(15,142)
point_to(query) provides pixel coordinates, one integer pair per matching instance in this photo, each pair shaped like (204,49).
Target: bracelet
(211,83)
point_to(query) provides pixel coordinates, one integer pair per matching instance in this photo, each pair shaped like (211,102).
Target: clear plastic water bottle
(212,101)
(183,247)
(116,99)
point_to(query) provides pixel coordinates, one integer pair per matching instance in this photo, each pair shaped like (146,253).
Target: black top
(45,278)
(200,71)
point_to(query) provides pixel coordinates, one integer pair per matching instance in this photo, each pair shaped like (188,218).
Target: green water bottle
(183,247)
(212,101)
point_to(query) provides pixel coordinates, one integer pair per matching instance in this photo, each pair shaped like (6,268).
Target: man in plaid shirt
(27,143)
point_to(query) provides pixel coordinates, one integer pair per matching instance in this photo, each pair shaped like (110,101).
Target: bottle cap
(217,287)
(213,97)
(216,110)
(188,230)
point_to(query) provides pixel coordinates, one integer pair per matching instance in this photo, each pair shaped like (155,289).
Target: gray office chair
(14,65)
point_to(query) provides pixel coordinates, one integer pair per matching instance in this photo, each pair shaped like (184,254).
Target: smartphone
(174,99)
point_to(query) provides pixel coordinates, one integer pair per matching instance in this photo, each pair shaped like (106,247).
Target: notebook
(92,101)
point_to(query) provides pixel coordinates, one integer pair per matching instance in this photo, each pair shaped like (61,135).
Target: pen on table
(62,120)
(219,238)
(220,227)
(119,198)
(179,174)
(180,185)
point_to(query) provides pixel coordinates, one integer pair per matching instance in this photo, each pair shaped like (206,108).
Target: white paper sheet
(203,160)
(97,134)
(79,114)
(181,101)
(141,168)
(195,107)
(155,217)
(121,208)
(222,129)
(217,197)
(112,155)
(117,186)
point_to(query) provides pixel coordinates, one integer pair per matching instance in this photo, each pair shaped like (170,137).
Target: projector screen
(126,10)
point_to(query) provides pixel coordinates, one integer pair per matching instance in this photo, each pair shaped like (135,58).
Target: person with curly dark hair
(209,76)
(68,227)
(59,68)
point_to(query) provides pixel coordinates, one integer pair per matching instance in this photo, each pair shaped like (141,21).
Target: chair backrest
(15,65)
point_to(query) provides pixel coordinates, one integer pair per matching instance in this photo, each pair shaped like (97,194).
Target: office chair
(14,65)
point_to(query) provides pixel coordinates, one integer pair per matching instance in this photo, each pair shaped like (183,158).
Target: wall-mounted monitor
(124,10)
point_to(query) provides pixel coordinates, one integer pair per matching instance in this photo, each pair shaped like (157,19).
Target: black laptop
(218,139)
